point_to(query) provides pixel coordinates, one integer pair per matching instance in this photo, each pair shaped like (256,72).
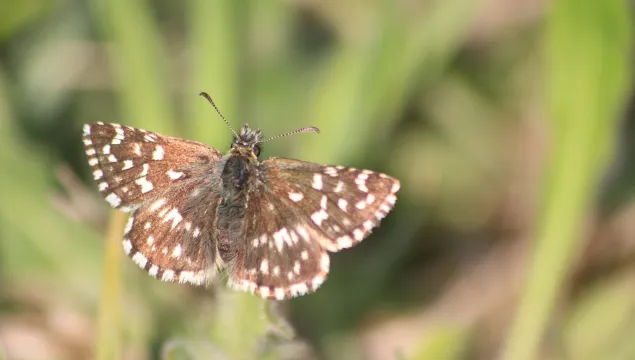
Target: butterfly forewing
(132,165)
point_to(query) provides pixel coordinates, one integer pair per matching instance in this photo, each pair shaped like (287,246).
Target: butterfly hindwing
(278,257)
(171,238)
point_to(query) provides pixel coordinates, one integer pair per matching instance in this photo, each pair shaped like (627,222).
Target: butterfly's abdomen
(238,176)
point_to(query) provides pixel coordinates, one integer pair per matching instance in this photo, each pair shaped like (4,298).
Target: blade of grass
(597,322)
(367,80)
(218,43)
(240,323)
(137,58)
(108,327)
(444,344)
(586,75)
(216,38)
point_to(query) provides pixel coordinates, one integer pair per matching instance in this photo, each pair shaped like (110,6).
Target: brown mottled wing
(171,236)
(304,209)
(167,184)
(132,165)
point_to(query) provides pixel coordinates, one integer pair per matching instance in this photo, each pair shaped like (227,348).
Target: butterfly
(194,211)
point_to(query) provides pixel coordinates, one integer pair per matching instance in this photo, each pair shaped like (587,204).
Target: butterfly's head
(248,140)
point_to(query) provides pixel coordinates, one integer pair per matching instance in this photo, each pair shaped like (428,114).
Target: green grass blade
(137,59)
(108,326)
(586,75)
(444,344)
(216,38)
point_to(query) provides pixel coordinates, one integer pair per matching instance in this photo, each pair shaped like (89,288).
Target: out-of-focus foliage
(498,117)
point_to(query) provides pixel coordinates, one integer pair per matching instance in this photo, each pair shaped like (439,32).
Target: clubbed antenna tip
(209,98)
(301,130)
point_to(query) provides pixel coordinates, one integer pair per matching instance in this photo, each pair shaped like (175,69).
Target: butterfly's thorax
(238,176)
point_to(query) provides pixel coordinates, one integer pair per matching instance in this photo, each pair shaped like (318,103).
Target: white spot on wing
(264,266)
(319,216)
(175,216)
(86,129)
(296,196)
(145,185)
(303,233)
(342,203)
(98,174)
(317,182)
(146,168)
(90,151)
(339,187)
(157,204)
(323,202)
(331,171)
(113,199)
(277,237)
(361,182)
(112,158)
(176,253)
(106,149)
(174,174)
(158,153)
(127,164)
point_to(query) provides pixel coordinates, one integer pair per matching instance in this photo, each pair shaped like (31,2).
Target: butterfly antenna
(302,130)
(209,98)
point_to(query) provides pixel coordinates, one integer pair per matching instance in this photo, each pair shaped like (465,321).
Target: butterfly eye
(257,150)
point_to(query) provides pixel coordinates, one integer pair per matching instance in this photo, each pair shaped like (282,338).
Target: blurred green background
(508,122)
